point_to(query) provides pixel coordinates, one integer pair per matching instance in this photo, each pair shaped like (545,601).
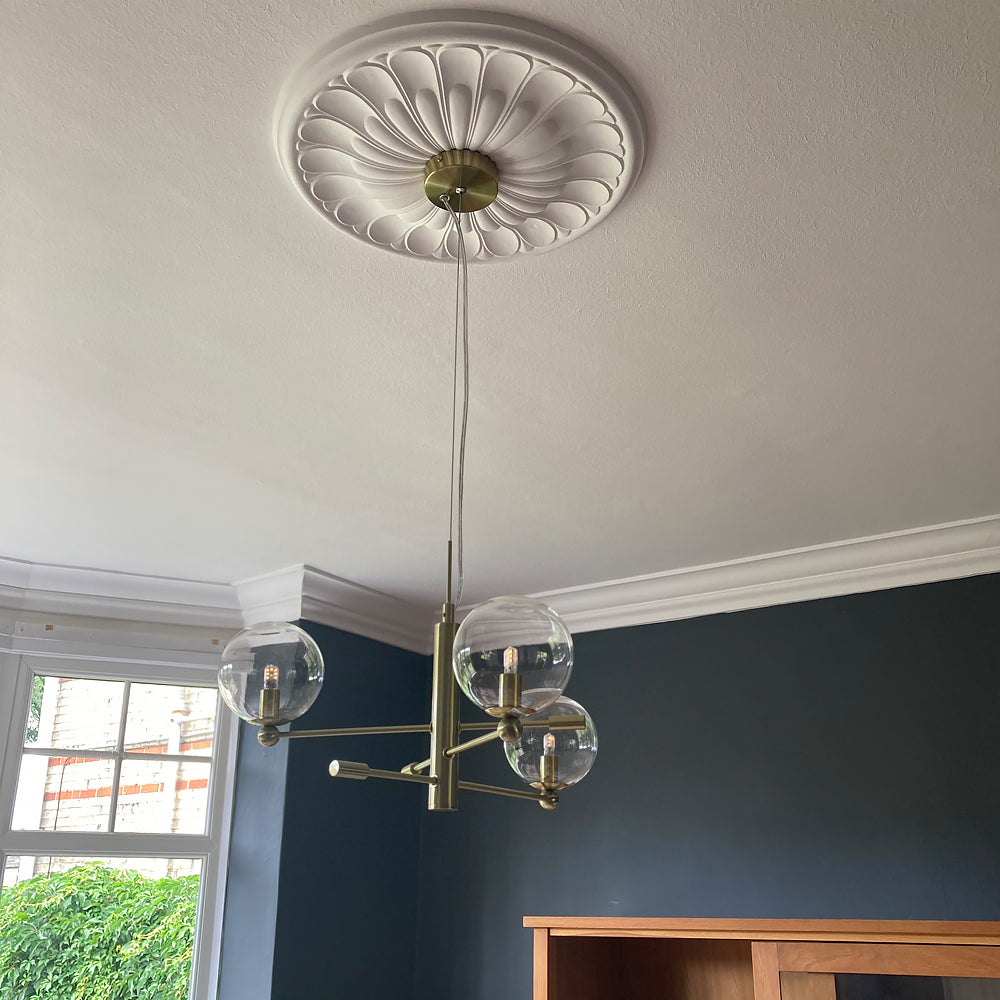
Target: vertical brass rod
(448,590)
(443,796)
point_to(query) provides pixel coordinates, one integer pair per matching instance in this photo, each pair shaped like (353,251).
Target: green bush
(95,933)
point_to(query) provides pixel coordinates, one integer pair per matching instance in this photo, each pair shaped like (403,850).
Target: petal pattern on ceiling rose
(459,114)
(537,232)
(487,116)
(374,81)
(424,241)
(316,160)
(389,230)
(337,135)
(343,105)
(588,192)
(387,136)
(473,241)
(502,242)
(396,113)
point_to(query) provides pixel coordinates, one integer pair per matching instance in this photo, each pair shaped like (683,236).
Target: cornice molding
(72,590)
(271,597)
(309,593)
(879,562)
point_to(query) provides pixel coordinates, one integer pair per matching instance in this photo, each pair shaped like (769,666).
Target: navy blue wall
(346,911)
(837,758)
(249,919)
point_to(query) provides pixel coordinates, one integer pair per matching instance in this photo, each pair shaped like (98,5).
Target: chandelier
(445,136)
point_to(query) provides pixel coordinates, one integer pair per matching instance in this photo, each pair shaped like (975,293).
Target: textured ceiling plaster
(786,335)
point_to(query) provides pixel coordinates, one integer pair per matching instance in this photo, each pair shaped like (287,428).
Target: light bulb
(270,696)
(509,692)
(549,770)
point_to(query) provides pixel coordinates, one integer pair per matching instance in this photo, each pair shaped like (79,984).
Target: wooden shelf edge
(979,932)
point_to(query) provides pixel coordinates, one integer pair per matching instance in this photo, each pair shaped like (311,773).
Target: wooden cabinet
(606,958)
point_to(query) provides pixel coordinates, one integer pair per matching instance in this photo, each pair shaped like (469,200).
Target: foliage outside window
(97,933)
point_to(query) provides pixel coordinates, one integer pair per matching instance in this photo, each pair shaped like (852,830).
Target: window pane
(70,792)
(74,714)
(160,796)
(110,924)
(174,720)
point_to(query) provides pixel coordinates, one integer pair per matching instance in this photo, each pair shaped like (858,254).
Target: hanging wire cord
(461,335)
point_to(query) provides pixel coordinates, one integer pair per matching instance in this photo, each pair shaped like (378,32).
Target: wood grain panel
(540,983)
(655,969)
(766,985)
(808,986)
(584,969)
(890,959)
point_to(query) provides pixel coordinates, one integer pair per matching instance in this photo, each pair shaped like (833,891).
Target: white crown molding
(271,597)
(308,593)
(880,562)
(899,559)
(72,590)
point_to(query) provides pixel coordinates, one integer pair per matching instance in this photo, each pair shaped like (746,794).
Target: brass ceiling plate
(469,179)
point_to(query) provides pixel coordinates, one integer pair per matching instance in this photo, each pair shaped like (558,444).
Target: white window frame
(143,658)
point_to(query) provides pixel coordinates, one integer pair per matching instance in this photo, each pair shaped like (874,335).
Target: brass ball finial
(461,170)
(267,736)
(509,728)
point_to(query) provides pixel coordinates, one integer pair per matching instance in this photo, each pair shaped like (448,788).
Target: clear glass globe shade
(271,673)
(575,750)
(513,635)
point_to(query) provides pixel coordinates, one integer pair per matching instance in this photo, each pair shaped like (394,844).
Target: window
(118,754)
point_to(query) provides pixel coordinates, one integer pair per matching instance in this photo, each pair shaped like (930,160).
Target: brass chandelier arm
(553,722)
(301,734)
(469,744)
(545,796)
(416,767)
(359,771)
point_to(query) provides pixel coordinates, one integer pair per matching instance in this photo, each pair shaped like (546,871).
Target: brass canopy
(452,169)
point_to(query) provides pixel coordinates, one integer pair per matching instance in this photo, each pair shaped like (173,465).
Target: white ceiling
(787,335)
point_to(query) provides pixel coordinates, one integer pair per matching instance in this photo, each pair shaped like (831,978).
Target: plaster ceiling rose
(357,123)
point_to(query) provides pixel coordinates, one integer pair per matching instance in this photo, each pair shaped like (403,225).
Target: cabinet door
(805,970)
